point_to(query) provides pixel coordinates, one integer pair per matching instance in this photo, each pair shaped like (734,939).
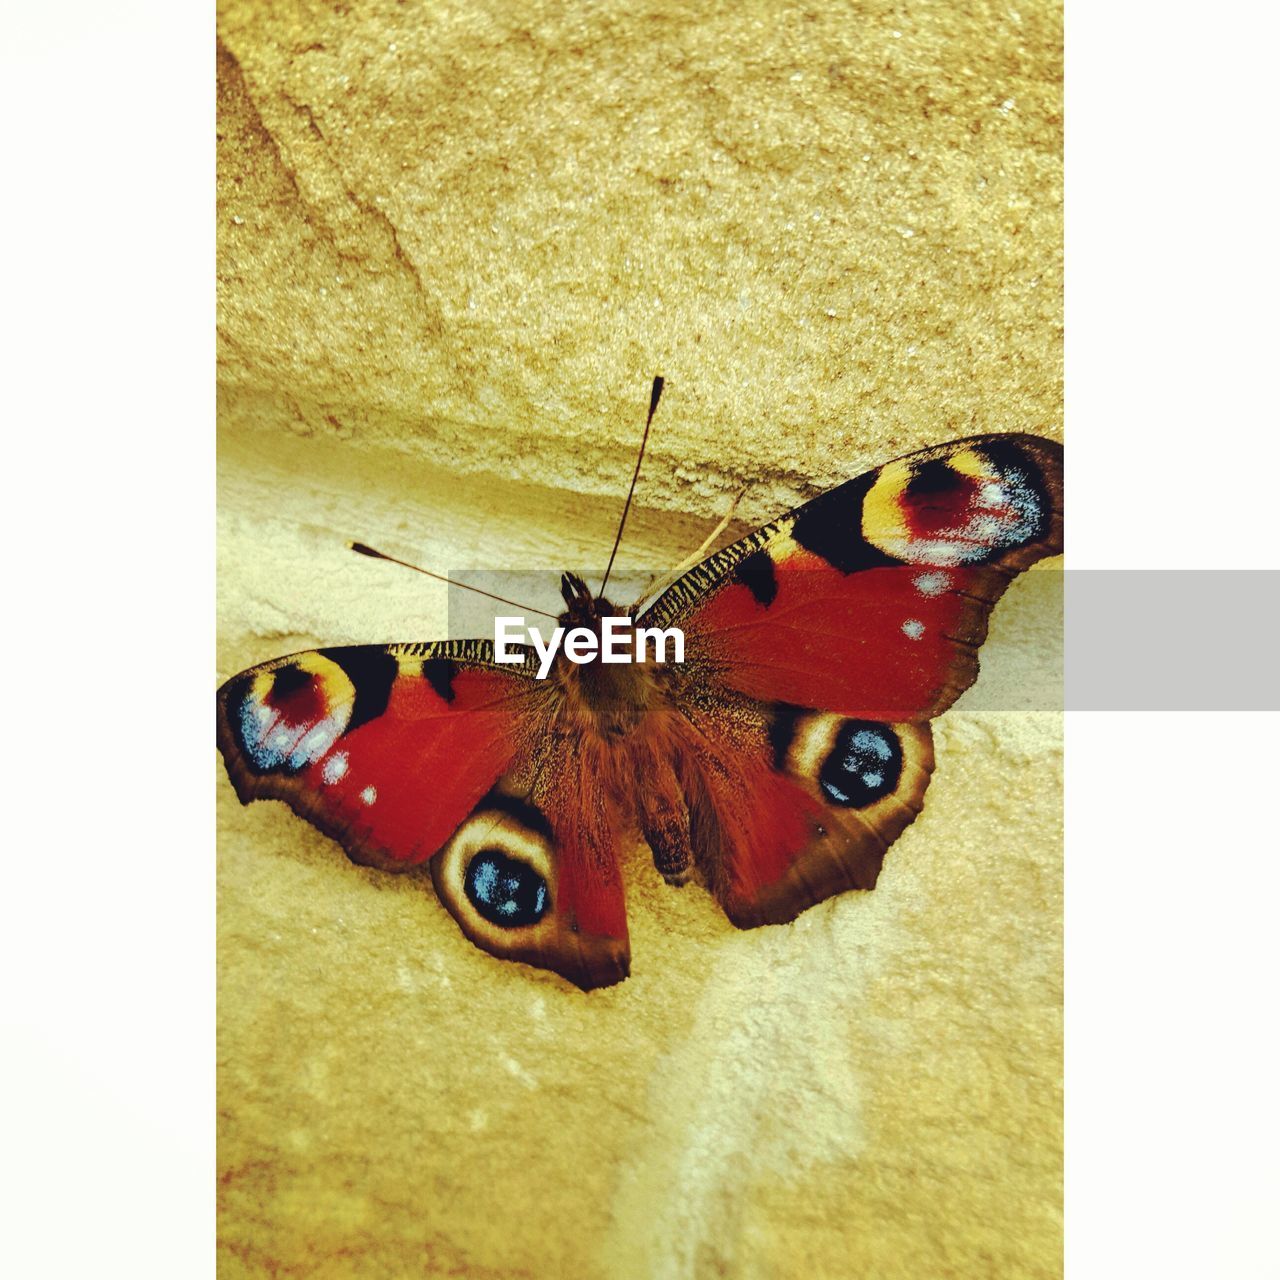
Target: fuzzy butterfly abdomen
(633,745)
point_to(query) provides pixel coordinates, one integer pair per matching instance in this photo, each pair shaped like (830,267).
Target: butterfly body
(602,701)
(776,762)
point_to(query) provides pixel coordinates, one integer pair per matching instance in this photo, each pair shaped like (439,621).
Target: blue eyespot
(504,890)
(863,766)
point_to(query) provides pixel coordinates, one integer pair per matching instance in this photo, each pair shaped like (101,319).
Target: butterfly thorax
(601,699)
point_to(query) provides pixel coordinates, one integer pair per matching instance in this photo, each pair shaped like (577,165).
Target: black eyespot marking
(864,765)
(782,728)
(831,527)
(504,890)
(934,476)
(372,672)
(524,812)
(440,672)
(757,575)
(287,680)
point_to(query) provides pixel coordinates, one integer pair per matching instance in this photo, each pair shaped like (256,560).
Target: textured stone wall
(455,241)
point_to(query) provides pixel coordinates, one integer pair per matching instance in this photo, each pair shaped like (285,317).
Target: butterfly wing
(873,599)
(817,649)
(405,752)
(532,874)
(788,806)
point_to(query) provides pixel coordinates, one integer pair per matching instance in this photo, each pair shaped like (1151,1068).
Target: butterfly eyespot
(966,507)
(863,766)
(288,717)
(504,890)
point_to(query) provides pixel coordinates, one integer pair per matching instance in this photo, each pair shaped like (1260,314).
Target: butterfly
(776,763)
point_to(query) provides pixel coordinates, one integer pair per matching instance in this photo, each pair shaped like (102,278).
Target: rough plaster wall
(455,242)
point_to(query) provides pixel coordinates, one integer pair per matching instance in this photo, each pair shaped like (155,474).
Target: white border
(1173,893)
(108,901)
(108,466)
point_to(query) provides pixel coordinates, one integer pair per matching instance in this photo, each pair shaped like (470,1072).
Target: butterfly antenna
(654,396)
(360,549)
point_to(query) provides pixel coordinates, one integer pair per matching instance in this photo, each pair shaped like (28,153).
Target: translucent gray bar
(1173,640)
(1136,640)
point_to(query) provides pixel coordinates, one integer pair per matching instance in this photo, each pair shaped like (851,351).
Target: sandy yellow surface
(455,243)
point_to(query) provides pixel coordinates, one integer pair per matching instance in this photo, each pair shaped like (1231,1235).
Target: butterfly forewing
(872,599)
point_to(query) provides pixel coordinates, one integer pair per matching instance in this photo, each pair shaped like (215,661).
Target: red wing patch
(890,643)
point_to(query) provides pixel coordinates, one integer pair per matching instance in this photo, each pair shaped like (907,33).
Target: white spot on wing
(931,584)
(313,744)
(913,628)
(369,795)
(335,767)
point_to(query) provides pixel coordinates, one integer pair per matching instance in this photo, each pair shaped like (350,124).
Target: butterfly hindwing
(532,874)
(788,806)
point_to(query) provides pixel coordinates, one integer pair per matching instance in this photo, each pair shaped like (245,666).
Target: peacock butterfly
(778,761)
